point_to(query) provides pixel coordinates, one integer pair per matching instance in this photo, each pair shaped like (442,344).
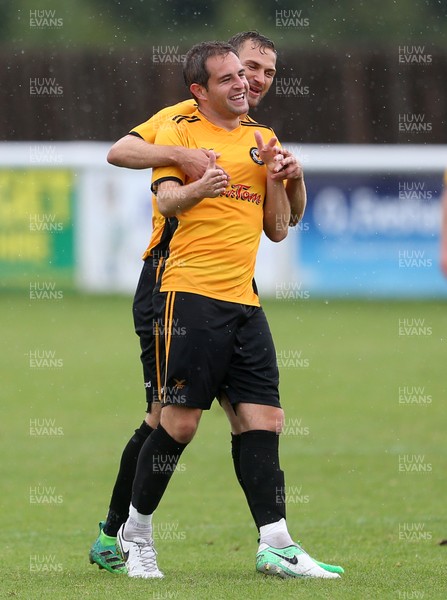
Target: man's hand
(270,154)
(286,167)
(291,167)
(172,198)
(193,162)
(214,180)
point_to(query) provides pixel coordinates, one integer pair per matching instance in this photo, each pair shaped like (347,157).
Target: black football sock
(122,491)
(236,455)
(157,461)
(262,477)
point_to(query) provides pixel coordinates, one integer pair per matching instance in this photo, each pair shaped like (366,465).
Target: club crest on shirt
(255,156)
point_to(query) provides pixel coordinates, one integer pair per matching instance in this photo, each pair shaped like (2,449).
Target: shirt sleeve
(169,135)
(148,130)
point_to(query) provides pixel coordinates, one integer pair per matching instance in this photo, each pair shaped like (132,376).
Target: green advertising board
(37,229)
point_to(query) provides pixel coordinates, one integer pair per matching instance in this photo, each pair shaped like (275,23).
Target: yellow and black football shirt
(213,250)
(148,132)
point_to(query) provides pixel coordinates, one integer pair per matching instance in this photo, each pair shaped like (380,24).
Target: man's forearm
(133,152)
(173,198)
(297,196)
(276,210)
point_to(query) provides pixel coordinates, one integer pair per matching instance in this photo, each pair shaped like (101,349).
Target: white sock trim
(138,518)
(275,534)
(273,528)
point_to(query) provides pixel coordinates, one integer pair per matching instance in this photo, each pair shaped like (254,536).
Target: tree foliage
(322,23)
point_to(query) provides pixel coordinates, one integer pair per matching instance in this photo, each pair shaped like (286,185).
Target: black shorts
(143,312)
(207,347)
(143,318)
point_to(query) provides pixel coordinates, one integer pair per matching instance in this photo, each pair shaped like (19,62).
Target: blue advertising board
(372,235)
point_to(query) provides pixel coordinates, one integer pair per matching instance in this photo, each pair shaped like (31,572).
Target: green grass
(346,430)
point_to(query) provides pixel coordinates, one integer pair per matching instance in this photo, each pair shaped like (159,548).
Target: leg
(103,550)
(259,462)
(252,388)
(143,316)
(266,494)
(160,454)
(189,366)
(189,378)
(156,464)
(236,431)
(122,490)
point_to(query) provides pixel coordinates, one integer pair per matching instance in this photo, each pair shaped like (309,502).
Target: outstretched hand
(269,153)
(291,168)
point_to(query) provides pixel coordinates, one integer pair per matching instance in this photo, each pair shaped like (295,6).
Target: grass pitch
(364,451)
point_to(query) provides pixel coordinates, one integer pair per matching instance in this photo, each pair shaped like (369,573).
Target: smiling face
(225,95)
(260,69)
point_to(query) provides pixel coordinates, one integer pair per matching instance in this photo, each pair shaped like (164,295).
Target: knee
(183,432)
(180,424)
(272,420)
(277,420)
(255,416)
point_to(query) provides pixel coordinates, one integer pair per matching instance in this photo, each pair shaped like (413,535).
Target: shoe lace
(148,554)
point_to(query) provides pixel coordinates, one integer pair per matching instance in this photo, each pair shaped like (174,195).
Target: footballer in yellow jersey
(259,57)
(213,337)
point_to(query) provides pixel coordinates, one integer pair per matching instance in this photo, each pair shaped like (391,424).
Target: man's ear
(198,91)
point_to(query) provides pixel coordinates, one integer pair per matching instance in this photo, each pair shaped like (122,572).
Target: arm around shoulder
(133,152)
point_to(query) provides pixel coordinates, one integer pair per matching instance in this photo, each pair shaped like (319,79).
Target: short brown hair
(194,67)
(259,40)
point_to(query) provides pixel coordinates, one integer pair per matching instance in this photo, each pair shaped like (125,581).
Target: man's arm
(174,198)
(295,187)
(133,152)
(276,203)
